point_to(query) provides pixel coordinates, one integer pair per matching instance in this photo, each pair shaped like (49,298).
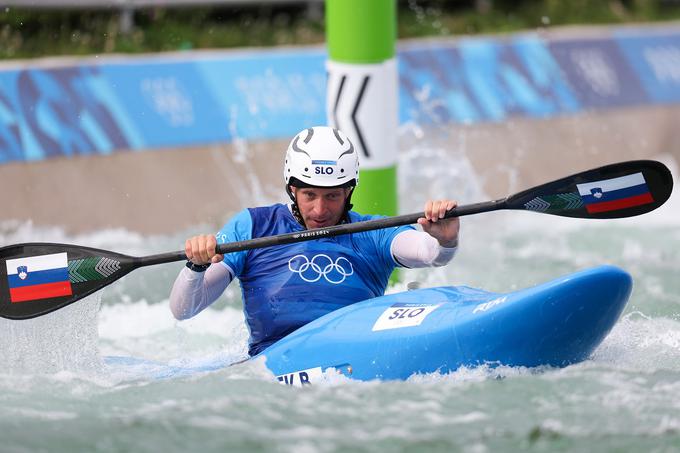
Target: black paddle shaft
(349,228)
(613,191)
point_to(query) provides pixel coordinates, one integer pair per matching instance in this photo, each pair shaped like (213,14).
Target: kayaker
(285,287)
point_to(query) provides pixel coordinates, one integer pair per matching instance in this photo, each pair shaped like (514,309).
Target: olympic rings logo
(321,265)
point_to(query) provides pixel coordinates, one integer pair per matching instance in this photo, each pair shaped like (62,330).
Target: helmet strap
(290,193)
(348,206)
(294,208)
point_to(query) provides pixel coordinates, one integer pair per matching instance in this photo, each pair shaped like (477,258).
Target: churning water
(58,394)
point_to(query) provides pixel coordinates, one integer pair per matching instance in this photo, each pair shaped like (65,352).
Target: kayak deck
(557,323)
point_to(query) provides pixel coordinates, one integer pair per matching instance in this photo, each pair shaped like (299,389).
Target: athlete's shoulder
(274,209)
(357,217)
(272,220)
(248,224)
(239,227)
(267,214)
(382,232)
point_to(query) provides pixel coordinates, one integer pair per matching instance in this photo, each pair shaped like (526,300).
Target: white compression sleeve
(414,249)
(194,291)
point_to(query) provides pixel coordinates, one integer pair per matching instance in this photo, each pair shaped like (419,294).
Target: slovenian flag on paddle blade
(616,193)
(38,277)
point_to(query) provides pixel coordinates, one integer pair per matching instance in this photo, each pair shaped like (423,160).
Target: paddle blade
(619,190)
(36,279)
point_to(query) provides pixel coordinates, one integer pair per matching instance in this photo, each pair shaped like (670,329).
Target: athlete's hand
(201,249)
(443,230)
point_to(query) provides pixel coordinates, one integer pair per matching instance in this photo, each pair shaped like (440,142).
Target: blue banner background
(203,98)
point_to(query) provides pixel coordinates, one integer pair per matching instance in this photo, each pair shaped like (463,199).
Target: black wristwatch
(197,267)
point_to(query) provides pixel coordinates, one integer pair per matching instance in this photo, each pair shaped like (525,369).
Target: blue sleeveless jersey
(284,287)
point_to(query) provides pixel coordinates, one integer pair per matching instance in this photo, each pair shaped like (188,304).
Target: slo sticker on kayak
(403,315)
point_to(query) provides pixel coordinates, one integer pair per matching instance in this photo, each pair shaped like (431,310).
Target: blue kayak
(439,330)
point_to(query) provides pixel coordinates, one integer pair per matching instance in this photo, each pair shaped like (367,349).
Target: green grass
(452,18)
(29,33)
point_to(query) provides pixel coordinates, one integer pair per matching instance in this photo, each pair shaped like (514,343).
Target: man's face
(321,207)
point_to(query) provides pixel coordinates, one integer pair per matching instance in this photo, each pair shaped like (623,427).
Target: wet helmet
(321,156)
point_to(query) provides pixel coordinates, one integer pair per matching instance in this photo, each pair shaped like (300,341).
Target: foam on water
(642,343)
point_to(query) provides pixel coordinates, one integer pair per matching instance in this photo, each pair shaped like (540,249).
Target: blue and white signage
(105,106)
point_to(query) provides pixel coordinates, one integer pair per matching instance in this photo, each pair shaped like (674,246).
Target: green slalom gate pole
(362,94)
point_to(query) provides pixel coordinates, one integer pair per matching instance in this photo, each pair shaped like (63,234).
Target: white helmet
(321,156)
